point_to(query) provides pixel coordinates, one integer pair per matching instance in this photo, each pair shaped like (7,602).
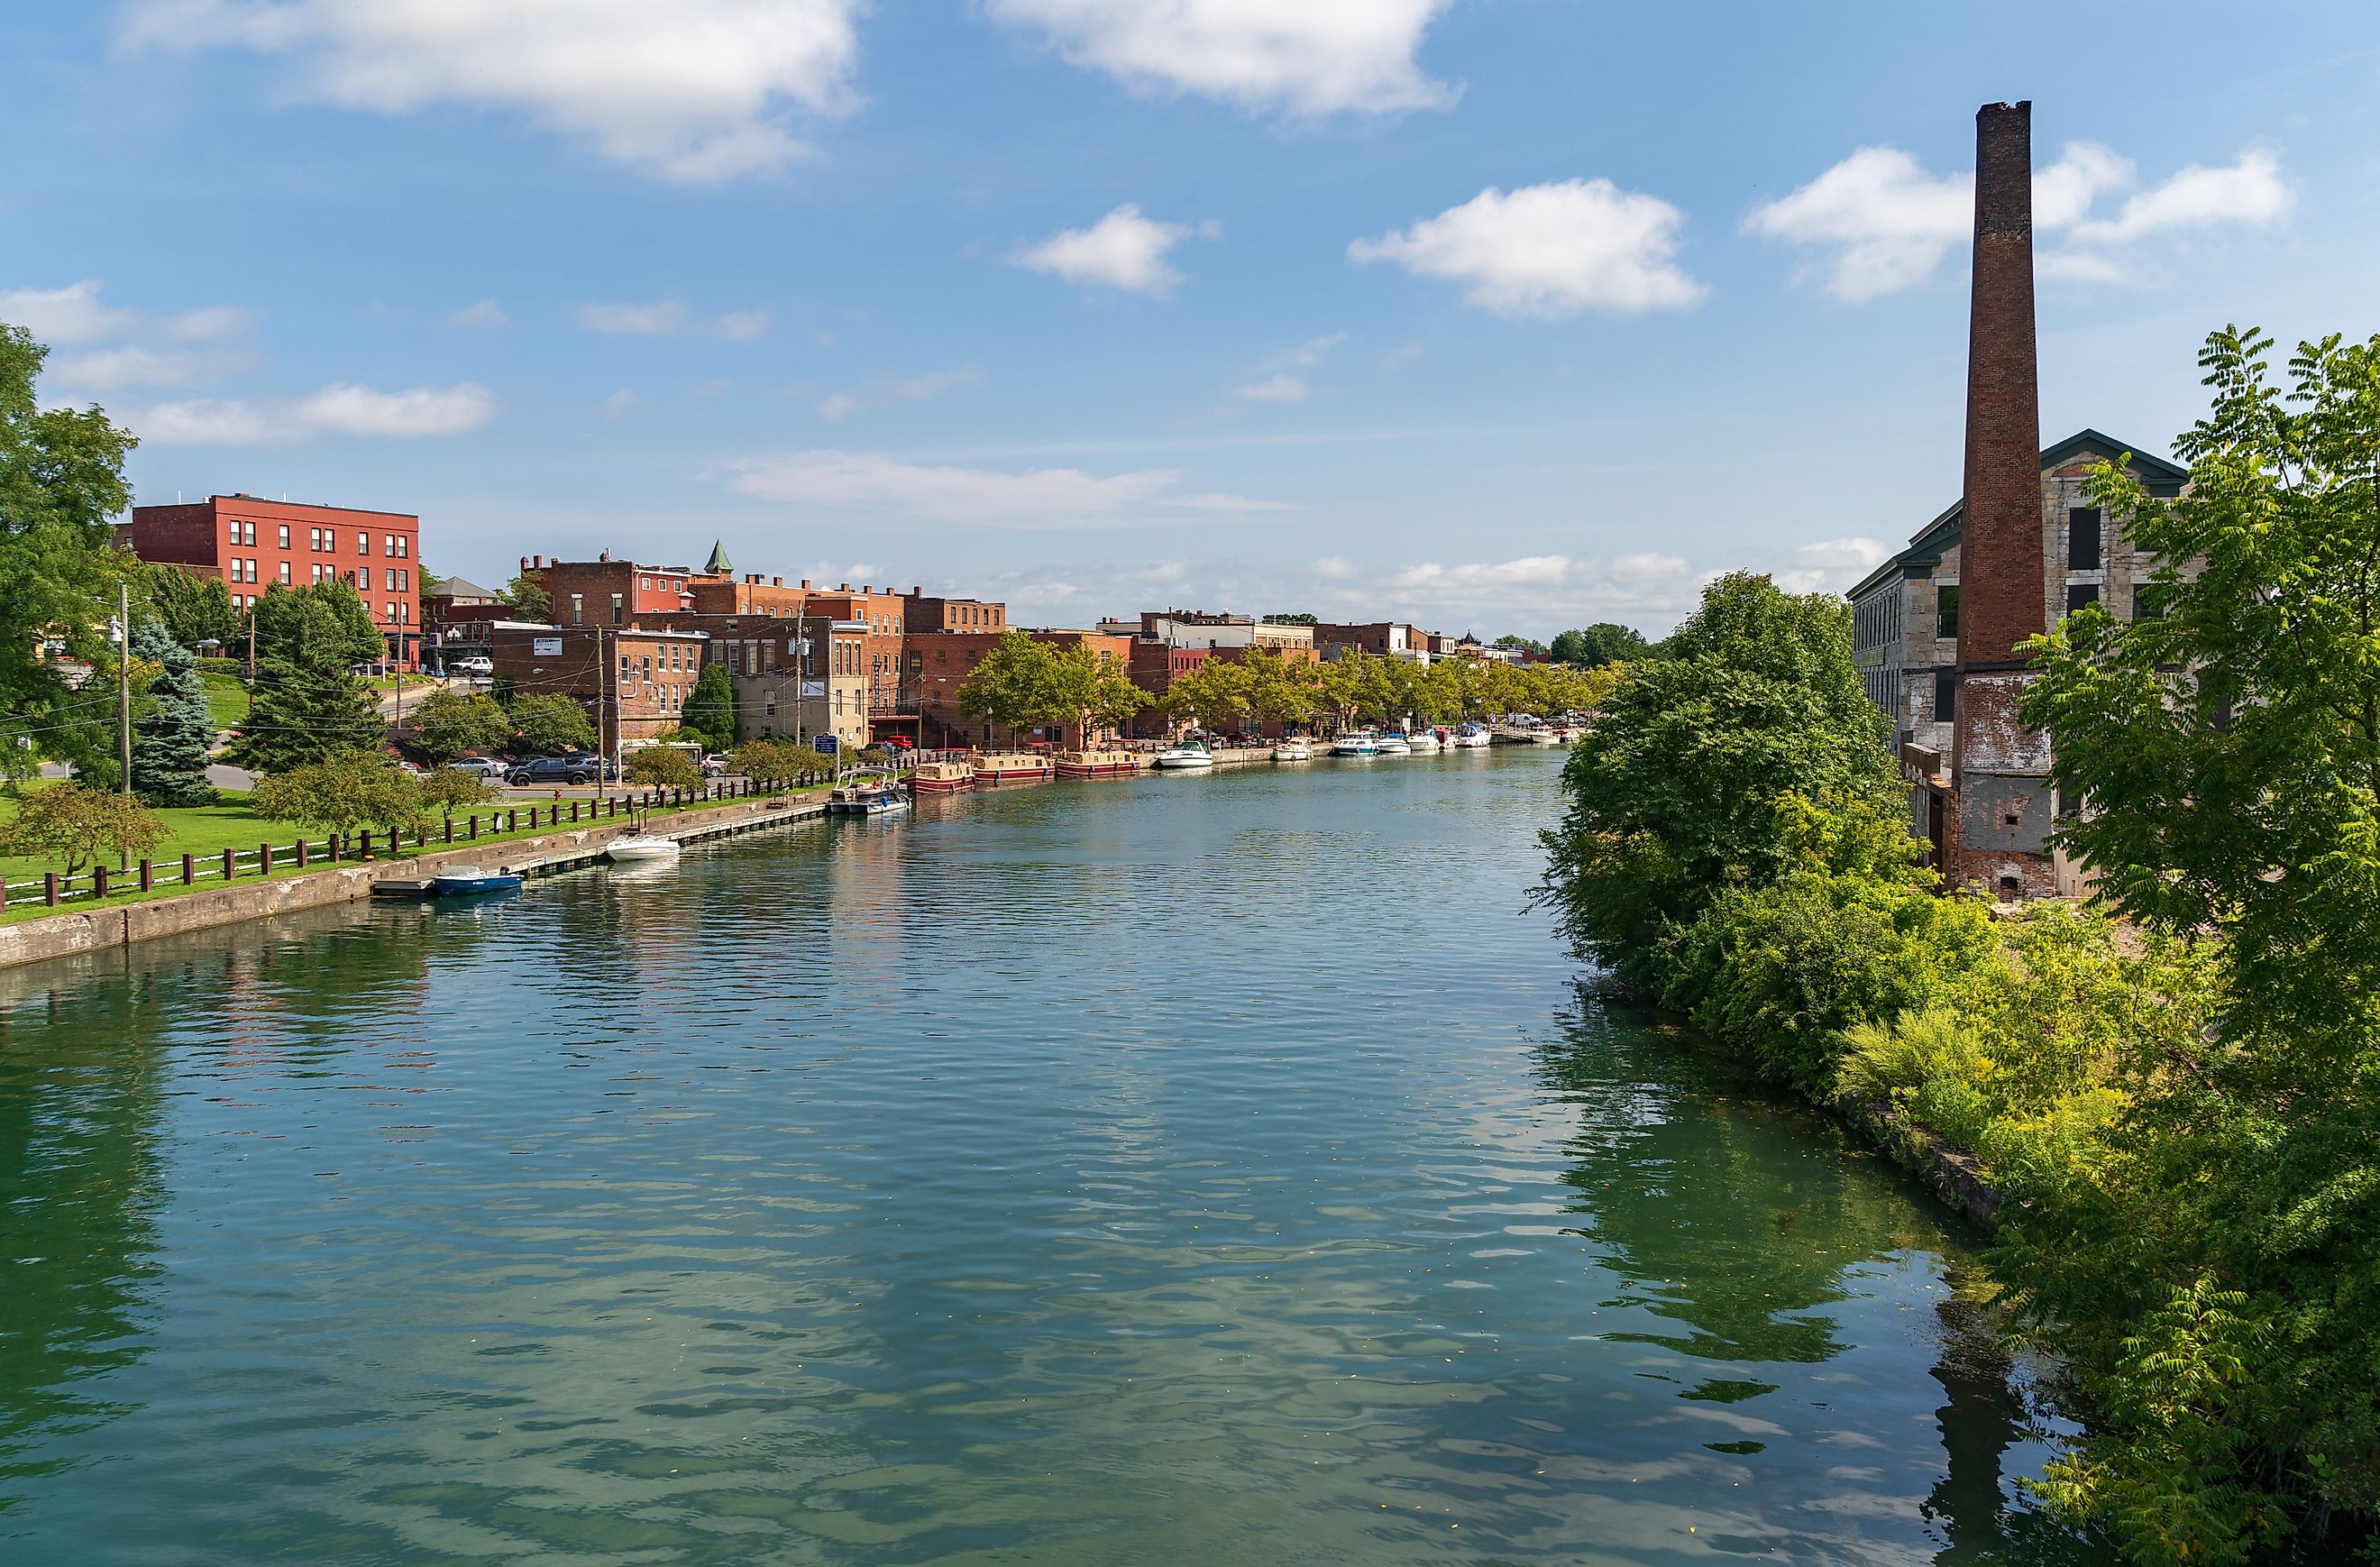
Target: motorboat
(1563,735)
(639,848)
(1424,743)
(1468,737)
(1393,745)
(1292,750)
(1187,756)
(1545,734)
(470,881)
(871,796)
(1355,745)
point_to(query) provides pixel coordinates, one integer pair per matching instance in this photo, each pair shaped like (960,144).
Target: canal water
(1194,1169)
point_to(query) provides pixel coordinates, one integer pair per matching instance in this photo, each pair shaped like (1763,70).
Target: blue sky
(1489,314)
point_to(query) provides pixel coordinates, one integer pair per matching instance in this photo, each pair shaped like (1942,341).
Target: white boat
(1468,737)
(1187,756)
(1423,742)
(869,797)
(1292,750)
(1355,745)
(637,847)
(1395,745)
(1564,734)
(1545,734)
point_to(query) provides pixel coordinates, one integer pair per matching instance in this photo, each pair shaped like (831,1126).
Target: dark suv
(556,770)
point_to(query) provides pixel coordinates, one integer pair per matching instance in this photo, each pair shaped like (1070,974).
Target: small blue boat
(469,880)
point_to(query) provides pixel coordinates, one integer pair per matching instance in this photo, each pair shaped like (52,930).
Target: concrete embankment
(84,930)
(1949,1171)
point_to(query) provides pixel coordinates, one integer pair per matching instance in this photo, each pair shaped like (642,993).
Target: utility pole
(124,681)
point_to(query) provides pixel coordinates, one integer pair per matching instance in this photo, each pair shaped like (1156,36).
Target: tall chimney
(2000,581)
(2001,800)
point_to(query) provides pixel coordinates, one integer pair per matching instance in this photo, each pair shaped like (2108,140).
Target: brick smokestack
(2000,590)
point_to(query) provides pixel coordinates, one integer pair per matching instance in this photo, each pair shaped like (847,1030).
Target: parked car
(897,742)
(556,770)
(715,765)
(483,768)
(473,666)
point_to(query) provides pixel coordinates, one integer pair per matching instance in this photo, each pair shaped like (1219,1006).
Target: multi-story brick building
(922,613)
(944,659)
(252,543)
(608,592)
(634,683)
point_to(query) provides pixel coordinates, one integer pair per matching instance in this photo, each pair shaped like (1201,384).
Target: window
(284,535)
(1946,694)
(2081,593)
(578,609)
(388,544)
(769,704)
(391,610)
(284,574)
(1946,611)
(403,581)
(618,608)
(2151,599)
(363,543)
(2082,539)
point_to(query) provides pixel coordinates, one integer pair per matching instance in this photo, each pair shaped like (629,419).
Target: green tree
(1279,691)
(1674,796)
(447,724)
(310,703)
(1015,684)
(710,711)
(1595,646)
(341,792)
(1093,690)
(1300,618)
(446,788)
(529,598)
(1527,644)
(1216,693)
(61,485)
(2215,1278)
(328,614)
(170,740)
(663,766)
(547,724)
(78,824)
(193,610)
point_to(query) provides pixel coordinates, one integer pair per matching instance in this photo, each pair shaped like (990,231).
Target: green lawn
(206,830)
(227,700)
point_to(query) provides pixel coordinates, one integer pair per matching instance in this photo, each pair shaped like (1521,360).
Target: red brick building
(943,660)
(634,683)
(923,613)
(251,544)
(608,592)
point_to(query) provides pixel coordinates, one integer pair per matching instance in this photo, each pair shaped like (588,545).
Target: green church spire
(718,565)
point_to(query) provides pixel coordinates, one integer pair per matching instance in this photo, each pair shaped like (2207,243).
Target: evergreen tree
(711,712)
(332,613)
(308,703)
(170,741)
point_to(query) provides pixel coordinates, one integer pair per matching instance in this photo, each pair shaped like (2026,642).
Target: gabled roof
(1937,538)
(464,588)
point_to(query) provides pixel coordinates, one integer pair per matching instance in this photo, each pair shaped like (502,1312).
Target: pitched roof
(1937,538)
(464,588)
(718,564)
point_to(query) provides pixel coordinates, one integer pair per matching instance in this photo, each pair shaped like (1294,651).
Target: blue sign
(826,744)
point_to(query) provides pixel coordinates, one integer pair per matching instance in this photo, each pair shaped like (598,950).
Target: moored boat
(1292,750)
(470,881)
(1357,745)
(1097,764)
(1468,737)
(1393,745)
(1187,757)
(642,846)
(1423,742)
(995,768)
(941,777)
(868,796)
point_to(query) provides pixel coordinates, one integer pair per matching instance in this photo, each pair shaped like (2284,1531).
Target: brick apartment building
(608,592)
(251,544)
(633,682)
(945,659)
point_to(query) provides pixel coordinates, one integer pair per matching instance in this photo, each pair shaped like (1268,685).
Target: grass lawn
(207,831)
(227,700)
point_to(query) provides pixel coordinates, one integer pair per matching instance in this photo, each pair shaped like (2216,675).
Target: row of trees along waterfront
(2175,1084)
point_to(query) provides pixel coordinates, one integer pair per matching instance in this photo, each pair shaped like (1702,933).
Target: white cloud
(1309,57)
(1305,355)
(1044,497)
(915,389)
(618,403)
(72,314)
(342,408)
(1549,249)
(741,326)
(694,91)
(207,323)
(111,370)
(1830,565)
(1282,388)
(634,320)
(2248,192)
(485,312)
(1886,224)
(1123,249)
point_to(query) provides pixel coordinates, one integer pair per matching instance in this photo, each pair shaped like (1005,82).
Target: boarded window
(2081,593)
(2082,539)
(1946,694)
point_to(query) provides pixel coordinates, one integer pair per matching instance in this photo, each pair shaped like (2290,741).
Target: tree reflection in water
(1743,1238)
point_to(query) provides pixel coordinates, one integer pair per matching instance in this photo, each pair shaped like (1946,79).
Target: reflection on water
(1218,1171)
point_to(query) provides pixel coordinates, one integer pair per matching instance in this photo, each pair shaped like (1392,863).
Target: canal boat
(638,848)
(1468,737)
(994,769)
(471,882)
(1356,745)
(1393,745)
(941,777)
(1097,764)
(1187,757)
(868,796)
(1423,742)
(1292,750)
